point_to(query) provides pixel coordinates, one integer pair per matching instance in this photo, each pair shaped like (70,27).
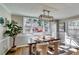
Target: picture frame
(3,21)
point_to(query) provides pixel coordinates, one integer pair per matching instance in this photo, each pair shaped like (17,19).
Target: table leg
(30,49)
(56,47)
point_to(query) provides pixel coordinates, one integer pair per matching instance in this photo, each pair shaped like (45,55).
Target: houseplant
(12,30)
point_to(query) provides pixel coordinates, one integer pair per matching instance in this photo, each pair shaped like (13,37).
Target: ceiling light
(45,15)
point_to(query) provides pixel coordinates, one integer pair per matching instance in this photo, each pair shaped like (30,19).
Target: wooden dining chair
(43,48)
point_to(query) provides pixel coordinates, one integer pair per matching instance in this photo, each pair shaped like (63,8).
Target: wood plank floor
(76,53)
(20,51)
(25,51)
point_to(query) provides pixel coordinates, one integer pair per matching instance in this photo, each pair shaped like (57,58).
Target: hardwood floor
(25,51)
(76,53)
(20,51)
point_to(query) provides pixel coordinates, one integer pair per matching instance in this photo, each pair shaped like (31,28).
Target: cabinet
(5,45)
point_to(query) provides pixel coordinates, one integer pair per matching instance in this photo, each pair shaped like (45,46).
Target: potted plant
(12,30)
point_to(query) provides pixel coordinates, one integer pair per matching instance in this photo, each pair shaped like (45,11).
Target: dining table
(56,44)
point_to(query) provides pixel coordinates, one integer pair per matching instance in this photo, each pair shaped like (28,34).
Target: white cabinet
(4,45)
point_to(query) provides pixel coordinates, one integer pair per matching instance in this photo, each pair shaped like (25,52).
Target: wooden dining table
(56,43)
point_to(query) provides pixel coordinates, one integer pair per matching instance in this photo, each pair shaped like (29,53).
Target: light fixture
(45,15)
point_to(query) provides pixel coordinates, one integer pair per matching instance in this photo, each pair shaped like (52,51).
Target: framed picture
(1,20)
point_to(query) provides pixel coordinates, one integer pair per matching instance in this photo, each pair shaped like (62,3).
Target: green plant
(12,30)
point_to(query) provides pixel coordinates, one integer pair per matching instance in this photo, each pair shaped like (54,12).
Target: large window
(34,25)
(73,28)
(72,33)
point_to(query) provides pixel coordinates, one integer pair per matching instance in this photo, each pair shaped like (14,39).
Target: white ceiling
(58,10)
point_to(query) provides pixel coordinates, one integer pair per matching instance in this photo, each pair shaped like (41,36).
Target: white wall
(18,19)
(21,38)
(4,13)
(5,43)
